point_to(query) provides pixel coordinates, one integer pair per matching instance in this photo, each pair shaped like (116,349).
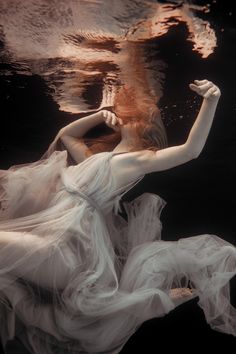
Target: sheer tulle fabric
(86,278)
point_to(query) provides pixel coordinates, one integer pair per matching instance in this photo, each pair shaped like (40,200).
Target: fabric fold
(76,277)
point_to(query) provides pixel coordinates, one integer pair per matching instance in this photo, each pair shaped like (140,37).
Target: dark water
(60,60)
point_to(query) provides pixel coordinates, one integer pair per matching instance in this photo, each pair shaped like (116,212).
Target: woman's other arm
(72,134)
(81,126)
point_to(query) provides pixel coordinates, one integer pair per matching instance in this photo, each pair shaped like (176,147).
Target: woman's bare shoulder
(133,156)
(127,167)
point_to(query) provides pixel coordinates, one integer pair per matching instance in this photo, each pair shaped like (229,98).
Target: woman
(75,277)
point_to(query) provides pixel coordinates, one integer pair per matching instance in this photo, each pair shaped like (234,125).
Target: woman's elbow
(192,153)
(62,132)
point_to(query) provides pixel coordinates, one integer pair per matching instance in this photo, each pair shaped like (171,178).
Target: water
(74,45)
(62,59)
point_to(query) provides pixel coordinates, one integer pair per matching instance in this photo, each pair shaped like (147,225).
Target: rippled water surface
(77,45)
(60,59)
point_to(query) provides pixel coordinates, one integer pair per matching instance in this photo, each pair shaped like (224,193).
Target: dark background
(200,195)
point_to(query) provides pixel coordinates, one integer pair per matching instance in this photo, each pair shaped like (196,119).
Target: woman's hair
(132,107)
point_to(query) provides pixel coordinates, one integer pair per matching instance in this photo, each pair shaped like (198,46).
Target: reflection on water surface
(76,45)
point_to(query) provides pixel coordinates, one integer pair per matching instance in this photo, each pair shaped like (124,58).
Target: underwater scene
(61,60)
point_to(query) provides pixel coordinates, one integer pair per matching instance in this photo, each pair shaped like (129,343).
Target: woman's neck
(125,145)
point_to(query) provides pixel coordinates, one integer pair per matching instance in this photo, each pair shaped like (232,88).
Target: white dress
(79,278)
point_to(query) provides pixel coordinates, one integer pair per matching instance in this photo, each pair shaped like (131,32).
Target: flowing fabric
(77,277)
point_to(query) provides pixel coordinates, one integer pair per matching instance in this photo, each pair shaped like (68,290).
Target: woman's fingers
(205,88)
(107,116)
(213,92)
(201,87)
(200,82)
(193,87)
(209,92)
(112,120)
(104,112)
(120,121)
(217,93)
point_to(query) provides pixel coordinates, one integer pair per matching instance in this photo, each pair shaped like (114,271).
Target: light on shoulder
(133,162)
(135,156)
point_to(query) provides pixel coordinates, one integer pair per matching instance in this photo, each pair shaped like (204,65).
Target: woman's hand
(111,120)
(206,89)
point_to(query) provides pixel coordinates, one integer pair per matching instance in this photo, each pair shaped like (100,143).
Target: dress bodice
(93,180)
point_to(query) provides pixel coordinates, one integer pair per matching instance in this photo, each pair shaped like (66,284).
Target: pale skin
(128,167)
(132,165)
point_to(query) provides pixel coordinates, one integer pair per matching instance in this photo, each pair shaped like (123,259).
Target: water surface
(75,45)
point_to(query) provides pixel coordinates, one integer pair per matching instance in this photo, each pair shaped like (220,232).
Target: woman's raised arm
(177,155)
(134,164)
(81,126)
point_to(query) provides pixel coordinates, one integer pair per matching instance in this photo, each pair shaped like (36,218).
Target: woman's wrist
(211,100)
(209,106)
